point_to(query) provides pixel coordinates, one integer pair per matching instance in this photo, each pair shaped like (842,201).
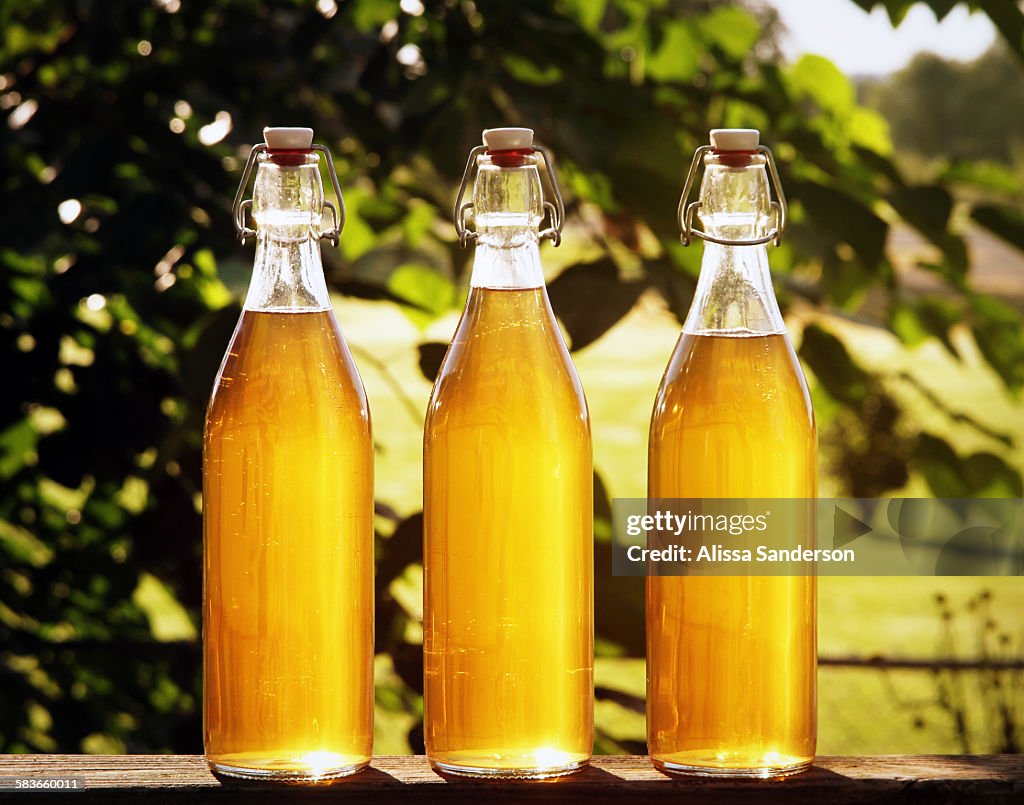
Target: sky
(861,43)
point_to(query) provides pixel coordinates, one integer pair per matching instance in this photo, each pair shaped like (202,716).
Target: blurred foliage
(944,109)
(125,126)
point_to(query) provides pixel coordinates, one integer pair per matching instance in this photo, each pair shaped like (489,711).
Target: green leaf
(933,316)
(979,475)
(939,465)
(989,476)
(16,443)
(928,209)
(908,325)
(422,289)
(522,69)
(589,185)
(999,333)
(206,343)
(369,15)
(1008,18)
(418,222)
(817,78)
(22,545)
(869,129)
(897,9)
(590,299)
(1005,222)
(588,12)
(843,218)
(205,262)
(358,236)
(983,175)
(431,356)
(678,56)
(168,620)
(403,548)
(733,29)
(831,363)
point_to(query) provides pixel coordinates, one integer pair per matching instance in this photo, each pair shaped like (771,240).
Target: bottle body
(732,659)
(288,534)
(508,537)
(731,679)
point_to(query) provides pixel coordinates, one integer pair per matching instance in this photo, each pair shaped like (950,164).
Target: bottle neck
(734,292)
(287,208)
(507,211)
(287,275)
(508,262)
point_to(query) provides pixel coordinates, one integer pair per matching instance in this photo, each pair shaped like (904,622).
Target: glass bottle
(508,489)
(731,661)
(288,502)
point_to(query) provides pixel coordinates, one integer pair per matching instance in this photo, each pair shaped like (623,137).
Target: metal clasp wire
(240,207)
(686,211)
(556,211)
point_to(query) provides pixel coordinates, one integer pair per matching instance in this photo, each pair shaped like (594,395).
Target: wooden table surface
(934,780)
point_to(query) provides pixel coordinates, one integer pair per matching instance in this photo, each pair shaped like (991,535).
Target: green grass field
(861,710)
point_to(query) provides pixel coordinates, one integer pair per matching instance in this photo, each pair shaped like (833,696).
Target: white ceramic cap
(288,138)
(508,138)
(735,139)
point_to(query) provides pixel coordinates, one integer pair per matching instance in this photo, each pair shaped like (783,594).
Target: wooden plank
(934,780)
(896,664)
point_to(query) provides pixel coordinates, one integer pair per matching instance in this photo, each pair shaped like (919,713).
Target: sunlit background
(123,135)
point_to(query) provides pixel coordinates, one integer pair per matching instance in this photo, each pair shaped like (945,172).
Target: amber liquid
(732,660)
(288,547)
(508,559)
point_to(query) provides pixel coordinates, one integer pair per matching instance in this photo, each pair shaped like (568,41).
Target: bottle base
(734,772)
(287,769)
(494,772)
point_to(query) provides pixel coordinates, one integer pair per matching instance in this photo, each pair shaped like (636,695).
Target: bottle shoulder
(719,376)
(288,366)
(473,391)
(522,388)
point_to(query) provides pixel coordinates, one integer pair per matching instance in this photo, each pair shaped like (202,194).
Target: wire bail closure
(240,207)
(686,211)
(556,211)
